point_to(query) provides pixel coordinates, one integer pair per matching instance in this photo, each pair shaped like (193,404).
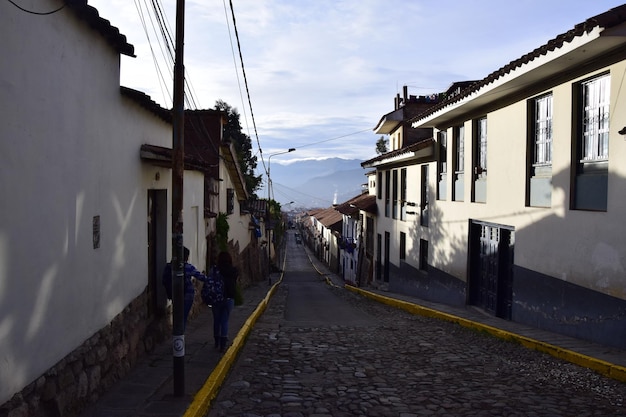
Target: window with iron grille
(459,148)
(394,193)
(590,146)
(442,165)
(481,146)
(595,119)
(403,194)
(539,160)
(543,130)
(387,193)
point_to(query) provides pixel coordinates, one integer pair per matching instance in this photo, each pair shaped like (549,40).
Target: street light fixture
(269,240)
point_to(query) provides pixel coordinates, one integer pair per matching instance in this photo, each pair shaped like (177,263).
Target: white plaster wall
(69,151)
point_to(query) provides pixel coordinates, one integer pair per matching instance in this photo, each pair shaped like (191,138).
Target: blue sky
(321,73)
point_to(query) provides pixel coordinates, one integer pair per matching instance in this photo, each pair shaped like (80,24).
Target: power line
(165,91)
(245,79)
(335,138)
(37,13)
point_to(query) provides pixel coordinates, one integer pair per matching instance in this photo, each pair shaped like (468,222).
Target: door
(491,268)
(157,250)
(379,254)
(386,269)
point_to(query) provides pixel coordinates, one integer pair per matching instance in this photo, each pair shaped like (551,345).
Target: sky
(320,73)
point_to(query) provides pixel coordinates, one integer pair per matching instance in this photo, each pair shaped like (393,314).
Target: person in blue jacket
(189,289)
(221,311)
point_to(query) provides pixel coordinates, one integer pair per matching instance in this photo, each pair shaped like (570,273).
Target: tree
(243,147)
(381,146)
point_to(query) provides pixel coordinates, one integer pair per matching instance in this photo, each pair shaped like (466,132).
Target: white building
(85,214)
(516,204)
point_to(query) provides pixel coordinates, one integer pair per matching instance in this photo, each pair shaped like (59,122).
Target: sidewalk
(147,391)
(605,360)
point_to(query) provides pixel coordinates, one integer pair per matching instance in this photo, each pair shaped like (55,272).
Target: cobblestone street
(392,363)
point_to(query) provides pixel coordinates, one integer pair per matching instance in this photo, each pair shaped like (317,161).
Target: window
(595,119)
(543,130)
(423,255)
(458,143)
(591,144)
(442,165)
(394,192)
(403,194)
(369,236)
(459,148)
(387,193)
(230,200)
(424,197)
(539,182)
(481,147)
(402,246)
(379,190)
(479,185)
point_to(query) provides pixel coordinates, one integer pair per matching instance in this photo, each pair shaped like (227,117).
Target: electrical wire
(37,13)
(245,79)
(232,49)
(315,198)
(335,138)
(165,91)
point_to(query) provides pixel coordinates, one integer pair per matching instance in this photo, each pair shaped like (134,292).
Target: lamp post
(269,213)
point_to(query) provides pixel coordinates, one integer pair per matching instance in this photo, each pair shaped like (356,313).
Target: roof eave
(570,56)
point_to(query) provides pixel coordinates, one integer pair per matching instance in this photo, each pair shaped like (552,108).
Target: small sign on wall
(96,232)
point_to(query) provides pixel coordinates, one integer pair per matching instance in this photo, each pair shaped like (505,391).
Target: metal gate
(491,268)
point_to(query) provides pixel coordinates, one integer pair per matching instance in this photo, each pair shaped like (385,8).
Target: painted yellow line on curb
(203,398)
(605,368)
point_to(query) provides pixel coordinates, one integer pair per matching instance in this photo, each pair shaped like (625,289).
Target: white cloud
(319,70)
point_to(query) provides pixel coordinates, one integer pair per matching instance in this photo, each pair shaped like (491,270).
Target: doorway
(157,250)
(490,283)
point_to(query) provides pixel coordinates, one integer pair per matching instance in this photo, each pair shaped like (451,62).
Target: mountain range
(316,183)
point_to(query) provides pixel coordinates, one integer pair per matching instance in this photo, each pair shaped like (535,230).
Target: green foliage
(243,147)
(382,146)
(221,232)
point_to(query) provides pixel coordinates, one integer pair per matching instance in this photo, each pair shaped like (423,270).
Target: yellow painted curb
(605,368)
(203,398)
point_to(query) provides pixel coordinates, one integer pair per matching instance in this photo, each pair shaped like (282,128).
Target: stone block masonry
(91,369)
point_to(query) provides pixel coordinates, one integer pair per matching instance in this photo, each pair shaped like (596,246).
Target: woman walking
(221,311)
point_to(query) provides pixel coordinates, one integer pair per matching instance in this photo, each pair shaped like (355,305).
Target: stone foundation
(90,370)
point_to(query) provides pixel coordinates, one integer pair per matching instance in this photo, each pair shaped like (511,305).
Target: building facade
(85,233)
(517,204)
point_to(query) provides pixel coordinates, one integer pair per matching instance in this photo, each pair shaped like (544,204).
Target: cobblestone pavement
(398,364)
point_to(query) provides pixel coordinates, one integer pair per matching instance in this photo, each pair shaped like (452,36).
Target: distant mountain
(317,183)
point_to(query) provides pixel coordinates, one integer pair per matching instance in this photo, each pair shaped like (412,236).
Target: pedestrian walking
(221,310)
(189,289)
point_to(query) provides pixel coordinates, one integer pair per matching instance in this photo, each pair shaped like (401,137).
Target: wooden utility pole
(178,171)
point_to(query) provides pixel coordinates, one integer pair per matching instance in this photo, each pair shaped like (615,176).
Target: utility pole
(178,171)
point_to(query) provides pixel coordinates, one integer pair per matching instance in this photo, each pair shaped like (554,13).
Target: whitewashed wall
(69,151)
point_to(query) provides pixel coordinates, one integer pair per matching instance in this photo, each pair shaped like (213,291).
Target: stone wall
(90,370)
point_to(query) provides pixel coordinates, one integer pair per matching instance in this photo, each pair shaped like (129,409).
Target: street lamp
(269,240)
